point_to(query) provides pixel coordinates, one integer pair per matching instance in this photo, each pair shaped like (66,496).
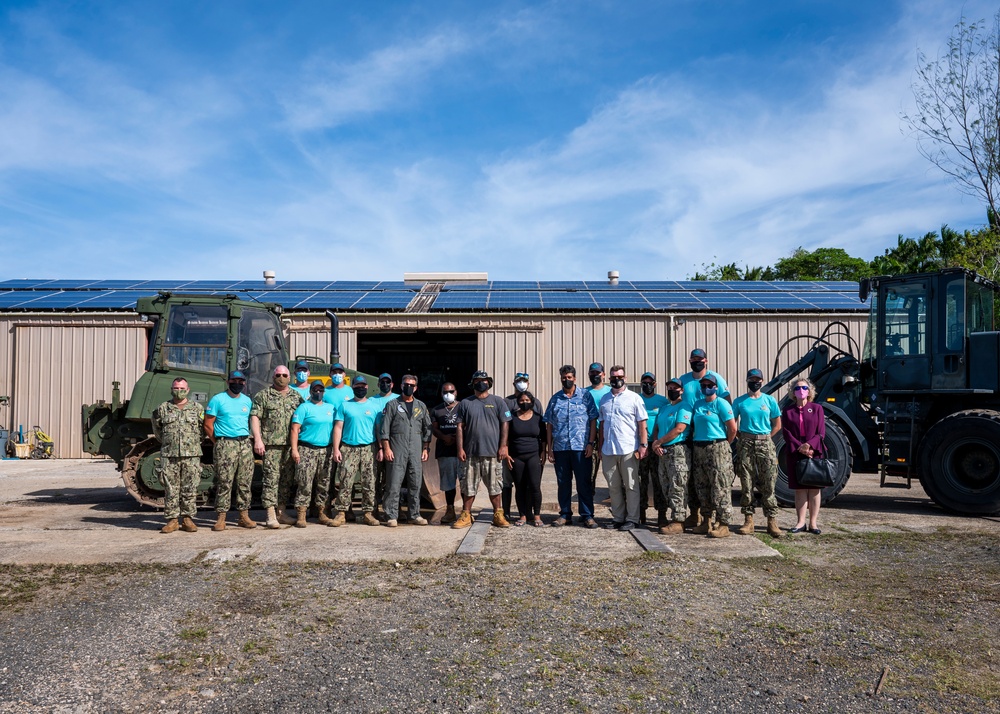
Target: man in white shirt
(624,440)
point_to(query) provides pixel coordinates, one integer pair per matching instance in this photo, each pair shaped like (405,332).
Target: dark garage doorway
(435,357)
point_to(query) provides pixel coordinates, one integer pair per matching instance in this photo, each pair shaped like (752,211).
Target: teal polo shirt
(316,422)
(232,415)
(668,417)
(755,415)
(359,421)
(709,419)
(653,406)
(336,396)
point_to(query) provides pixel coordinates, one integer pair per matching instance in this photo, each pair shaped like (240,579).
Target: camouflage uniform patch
(233,462)
(313,469)
(712,464)
(485,469)
(674,471)
(757,467)
(649,470)
(358,465)
(274,409)
(179,431)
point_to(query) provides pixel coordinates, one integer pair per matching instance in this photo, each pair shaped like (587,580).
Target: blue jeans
(570,465)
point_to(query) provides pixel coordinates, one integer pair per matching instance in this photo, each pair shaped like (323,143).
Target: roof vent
(612,277)
(269,278)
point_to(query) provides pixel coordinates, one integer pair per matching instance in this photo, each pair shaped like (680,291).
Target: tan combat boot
(772,527)
(498,520)
(704,525)
(220,522)
(170,526)
(272,520)
(188,526)
(747,527)
(301,511)
(449,516)
(693,520)
(674,528)
(245,520)
(720,531)
(370,520)
(464,520)
(284,519)
(323,519)
(337,521)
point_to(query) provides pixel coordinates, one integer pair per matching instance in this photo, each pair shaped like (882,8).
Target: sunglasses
(802,389)
(449,391)
(521,375)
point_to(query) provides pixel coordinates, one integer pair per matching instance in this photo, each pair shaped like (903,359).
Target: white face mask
(521,386)
(448,398)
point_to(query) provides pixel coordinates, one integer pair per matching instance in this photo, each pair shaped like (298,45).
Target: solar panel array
(496,295)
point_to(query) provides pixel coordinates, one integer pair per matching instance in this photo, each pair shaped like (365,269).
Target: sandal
(520,521)
(538,524)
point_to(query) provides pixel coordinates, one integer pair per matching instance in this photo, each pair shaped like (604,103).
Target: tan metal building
(52,363)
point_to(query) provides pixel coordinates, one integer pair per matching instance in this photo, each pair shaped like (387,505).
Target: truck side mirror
(864,287)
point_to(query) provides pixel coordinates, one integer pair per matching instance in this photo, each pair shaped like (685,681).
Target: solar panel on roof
(655,284)
(210,284)
(60,284)
(702,285)
(777,301)
(522,300)
(751,286)
(459,287)
(455,300)
(797,285)
(385,301)
(52,299)
(562,285)
(731,302)
(111,299)
(113,284)
(620,301)
(14,298)
(161,284)
(351,285)
(568,300)
(331,300)
(835,301)
(674,301)
(25,283)
(286,299)
(397,285)
(515,285)
(839,286)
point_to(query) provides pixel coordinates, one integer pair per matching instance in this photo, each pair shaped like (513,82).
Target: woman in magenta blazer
(804,427)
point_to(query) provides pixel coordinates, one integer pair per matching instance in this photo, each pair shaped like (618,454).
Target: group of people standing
(316,442)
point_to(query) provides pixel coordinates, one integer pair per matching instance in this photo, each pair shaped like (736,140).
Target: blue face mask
(300,377)
(709,391)
(337,378)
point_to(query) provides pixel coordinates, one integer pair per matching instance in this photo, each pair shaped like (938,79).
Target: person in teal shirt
(650,463)
(671,444)
(354,449)
(309,438)
(596,390)
(758,417)
(691,382)
(227,425)
(712,458)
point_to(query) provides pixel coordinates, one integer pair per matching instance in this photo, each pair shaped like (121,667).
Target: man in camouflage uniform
(672,446)
(227,424)
(270,420)
(177,424)
(354,449)
(758,419)
(712,458)
(405,434)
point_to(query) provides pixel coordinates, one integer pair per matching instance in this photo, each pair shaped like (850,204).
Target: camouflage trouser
(180,476)
(313,468)
(233,462)
(712,463)
(675,466)
(482,468)
(279,476)
(358,464)
(649,469)
(757,466)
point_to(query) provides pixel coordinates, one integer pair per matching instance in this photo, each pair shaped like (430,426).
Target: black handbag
(815,473)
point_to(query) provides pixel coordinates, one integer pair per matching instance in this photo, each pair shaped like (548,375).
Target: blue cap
(648,374)
(237,375)
(359,379)
(699,353)
(755,373)
(302,364)
(596,367)
(336,366)
(674,380)
(385,375)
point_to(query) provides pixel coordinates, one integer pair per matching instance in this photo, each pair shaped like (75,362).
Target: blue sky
(549,140)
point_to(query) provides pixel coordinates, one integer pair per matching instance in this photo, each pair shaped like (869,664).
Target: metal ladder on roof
(424,299)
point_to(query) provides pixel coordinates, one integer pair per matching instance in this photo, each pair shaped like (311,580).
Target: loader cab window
(196,338)
(260,347)
(979,307)
(906,320)
(954,315)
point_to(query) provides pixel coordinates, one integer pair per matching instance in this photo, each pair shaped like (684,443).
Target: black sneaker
(613,526)
(627,526)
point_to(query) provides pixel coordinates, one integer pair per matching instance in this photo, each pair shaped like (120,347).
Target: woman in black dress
(525,451)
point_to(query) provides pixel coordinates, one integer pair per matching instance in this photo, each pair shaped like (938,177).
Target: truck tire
(837,448)
(960,462)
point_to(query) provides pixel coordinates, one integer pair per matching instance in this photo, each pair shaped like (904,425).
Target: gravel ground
(813,631)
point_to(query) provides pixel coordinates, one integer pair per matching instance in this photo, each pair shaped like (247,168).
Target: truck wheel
(960,462)
(837,448)
(139,470)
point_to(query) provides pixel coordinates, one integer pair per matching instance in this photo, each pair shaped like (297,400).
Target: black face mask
(236,387)
(481,387)
(698,366)
(408,389)
(674,394)
(754,386)
(525,406)
(617,382)
(384,385)
(568,384)
(648,388)
(316,395)
(595,379)
(361,391)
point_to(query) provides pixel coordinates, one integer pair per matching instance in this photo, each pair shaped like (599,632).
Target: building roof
(435,297)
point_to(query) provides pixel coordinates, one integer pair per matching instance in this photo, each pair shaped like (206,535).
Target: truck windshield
(196,338)
(906,320)
(979,307)
(261,348)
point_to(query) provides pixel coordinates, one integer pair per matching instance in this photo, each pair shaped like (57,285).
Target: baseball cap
(755,373)
(521,375)
(335,366)
(385,375)
(359,379)
(481,374)
(674,380)
(648,374)
(709,377)
(302,364)
(596,367)
(236,374)
(699,353)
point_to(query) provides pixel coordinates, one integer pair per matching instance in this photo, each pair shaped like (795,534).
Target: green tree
(976,250)
(956,121)
(821,264)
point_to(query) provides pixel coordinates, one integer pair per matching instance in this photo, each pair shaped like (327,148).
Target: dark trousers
(572,466)
(527,474)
